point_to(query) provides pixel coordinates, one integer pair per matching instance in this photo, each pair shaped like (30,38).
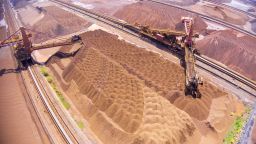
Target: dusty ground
(49,22)
(103,6)
(166,17)
(225,14)
(16,123)
(160,16)
(104,77)
(55,23)
(237,52)
(137,94)
(29,15)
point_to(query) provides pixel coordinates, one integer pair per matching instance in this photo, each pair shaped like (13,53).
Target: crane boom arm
(50,45)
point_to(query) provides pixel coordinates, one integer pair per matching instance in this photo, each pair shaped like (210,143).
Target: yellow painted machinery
(192,79)
(184,41)
(23,46)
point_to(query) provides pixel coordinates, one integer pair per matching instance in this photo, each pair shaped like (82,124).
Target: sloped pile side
(165,77)
(226,14)
(238,53)
(110,88)
(119,107)
(157,16)
(57,22)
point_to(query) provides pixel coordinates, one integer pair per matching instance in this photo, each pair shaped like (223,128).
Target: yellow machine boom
(24,46)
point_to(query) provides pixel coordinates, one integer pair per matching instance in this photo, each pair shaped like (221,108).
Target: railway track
(132,31)
(49,107)
(230,73)
(215,20)
(230,7)
(14,25)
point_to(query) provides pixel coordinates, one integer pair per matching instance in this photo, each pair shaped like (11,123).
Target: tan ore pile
(131,95)
(157,16)
(237,52)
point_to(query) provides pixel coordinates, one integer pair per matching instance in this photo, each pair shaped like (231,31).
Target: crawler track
(135,32)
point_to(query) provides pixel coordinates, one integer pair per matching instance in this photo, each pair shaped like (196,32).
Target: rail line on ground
(227,72)
(216,20)
(48,104)
(230,7)
(35,79)
(131,30)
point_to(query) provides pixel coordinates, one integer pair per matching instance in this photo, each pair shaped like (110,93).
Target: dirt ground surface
(223,13)
(241,58)
(108,7)
(139,95)
(160,16)
(49,21)
(29,15)
(236,51)
(16,123)
(57,22)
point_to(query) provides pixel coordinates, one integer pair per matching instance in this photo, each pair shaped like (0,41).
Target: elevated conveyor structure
(192,79)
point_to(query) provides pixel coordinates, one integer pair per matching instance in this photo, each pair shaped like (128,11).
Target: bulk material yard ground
(132,95)
(18,121)
(213,43)
(119,92)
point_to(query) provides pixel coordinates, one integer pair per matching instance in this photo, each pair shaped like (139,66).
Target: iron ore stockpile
(168,17)
(137,96)
(162,16)
(120,89)
(48,21)
(227,15)
(238,53)
(55,23)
